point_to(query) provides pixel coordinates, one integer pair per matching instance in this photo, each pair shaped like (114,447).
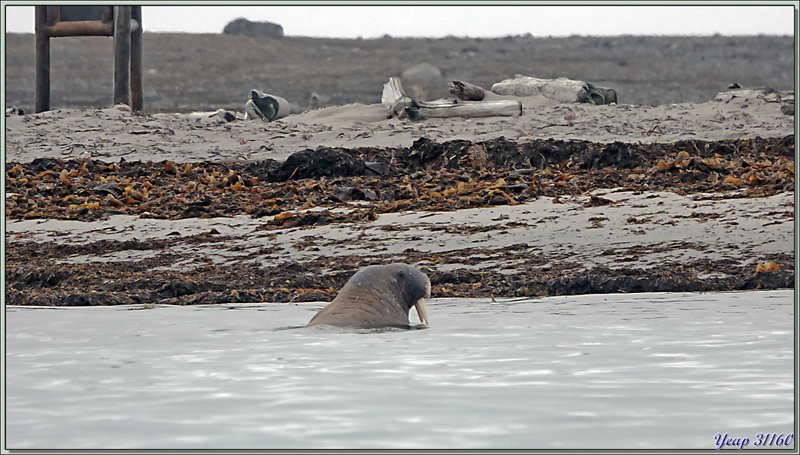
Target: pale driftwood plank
(402,105)
(466,109)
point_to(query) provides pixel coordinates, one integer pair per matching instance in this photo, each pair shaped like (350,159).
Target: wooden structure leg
(137,99)
(122,54)
(42,102)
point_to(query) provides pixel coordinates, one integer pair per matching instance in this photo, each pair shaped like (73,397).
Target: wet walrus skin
(378,296)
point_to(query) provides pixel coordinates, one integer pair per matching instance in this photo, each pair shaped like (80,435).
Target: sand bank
(111,134)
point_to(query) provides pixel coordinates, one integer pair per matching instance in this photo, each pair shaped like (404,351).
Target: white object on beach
(402,105)
(219,116)
(266,107)
(395,98)
(562,89)
(444,108)
(766,94)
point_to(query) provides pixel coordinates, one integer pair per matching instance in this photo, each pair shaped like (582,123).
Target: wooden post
(137,100)
(42,102)
(122,54)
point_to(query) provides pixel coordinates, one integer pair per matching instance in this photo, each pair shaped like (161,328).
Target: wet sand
(657,241)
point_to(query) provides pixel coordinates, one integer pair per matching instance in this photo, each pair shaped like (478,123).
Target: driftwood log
(402,105)
(466,91)
(420,110)
(562,89)
(395,98)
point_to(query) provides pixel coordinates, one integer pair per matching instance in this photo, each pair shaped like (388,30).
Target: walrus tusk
(422,311)
(378,296)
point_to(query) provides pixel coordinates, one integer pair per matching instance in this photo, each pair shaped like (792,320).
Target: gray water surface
(656,370)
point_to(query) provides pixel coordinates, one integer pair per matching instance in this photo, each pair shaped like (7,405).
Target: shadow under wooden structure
(124,23)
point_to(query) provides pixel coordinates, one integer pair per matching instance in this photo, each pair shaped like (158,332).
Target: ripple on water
(622,371)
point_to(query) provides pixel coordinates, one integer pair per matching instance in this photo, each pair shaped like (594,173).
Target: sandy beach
(105,206)
(110,207)
(110,134)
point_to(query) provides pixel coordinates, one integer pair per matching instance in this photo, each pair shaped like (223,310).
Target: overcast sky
(461,21)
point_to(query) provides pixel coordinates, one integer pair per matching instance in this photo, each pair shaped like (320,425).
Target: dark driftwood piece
(466,91)
(609,95)
(124,23)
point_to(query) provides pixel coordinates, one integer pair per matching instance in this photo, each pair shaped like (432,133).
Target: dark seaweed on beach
(426,176)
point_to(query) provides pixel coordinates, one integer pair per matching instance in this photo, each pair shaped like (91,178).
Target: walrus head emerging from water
(378,296)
